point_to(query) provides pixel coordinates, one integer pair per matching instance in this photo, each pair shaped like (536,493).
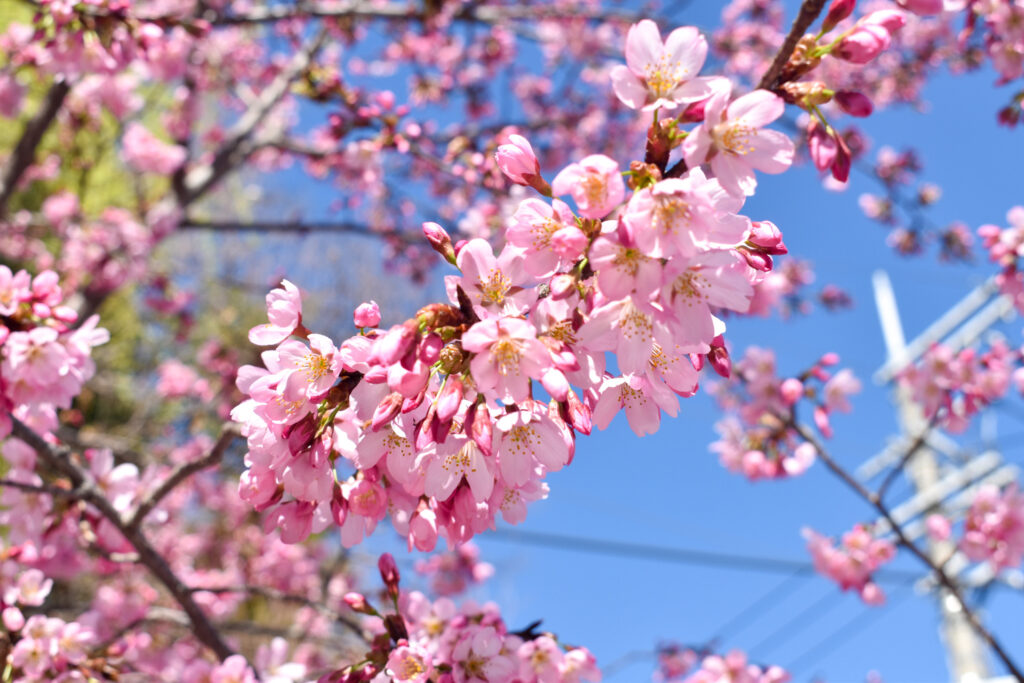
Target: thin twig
(920,441)
(809,11)
(181,473)
(59,459)
(943,578)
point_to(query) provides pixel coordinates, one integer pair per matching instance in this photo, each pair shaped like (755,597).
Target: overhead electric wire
(798,622)
(827,644)
(658,553)
(749,614)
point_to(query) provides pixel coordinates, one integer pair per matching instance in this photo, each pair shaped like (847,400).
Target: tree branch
(181,473)
(231,153)
(295,226)
(940,573)
(920,441)
(59,459)
(25,151)
(809,11)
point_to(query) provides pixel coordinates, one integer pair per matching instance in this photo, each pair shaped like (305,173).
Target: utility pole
(965,650)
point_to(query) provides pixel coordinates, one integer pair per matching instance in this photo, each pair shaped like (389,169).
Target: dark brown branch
(180,474)
(809,11)
(24,153)
(920,441)
(943,578)
(59,459)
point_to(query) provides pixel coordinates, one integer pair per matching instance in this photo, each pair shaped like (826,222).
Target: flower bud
(719,359)
(768,237)
(389,573)
(854,103)
(450,398)
(395,343)
(517,160)
(863,44)
(480,428)
(821,145)
(837,11)
(357,603)
(386,410)
(367,315)
(757,260)
(791,390)
(439,240)
(578,413)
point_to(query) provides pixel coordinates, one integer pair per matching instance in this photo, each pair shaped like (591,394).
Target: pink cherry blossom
(732,138)
(661,75)
(594,183)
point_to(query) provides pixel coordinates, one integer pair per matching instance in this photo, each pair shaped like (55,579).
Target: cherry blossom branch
(25,151)
(809,11)
(231,152)
(54,491)
(272,594)
(59,459)
(944,579)
(181,473)
(290,226)
(920,441)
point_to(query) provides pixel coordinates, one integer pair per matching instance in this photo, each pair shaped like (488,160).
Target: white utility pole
(965,651)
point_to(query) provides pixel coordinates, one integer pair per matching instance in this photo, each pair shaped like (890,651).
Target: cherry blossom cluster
(952,386)
(756,437)
(994,527)
(852,563)
(438,415)
(681,664)
(423,640)
(455,571)
(1005,247)
(45,351)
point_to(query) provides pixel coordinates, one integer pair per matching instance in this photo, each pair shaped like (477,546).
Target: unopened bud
(357,603)
(480,428)
(452,358)
(837,11)
(791,390)
(386,410)
(718,357)
(578,414)
(440,240)
(758,260)
(389,573)
(767,236)
(367,315)
(854,103)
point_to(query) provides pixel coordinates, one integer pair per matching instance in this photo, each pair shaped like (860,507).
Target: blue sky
(667,490)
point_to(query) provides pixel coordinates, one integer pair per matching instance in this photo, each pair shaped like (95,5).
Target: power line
(827,644)
(749,614)
(801,620)
(688,556)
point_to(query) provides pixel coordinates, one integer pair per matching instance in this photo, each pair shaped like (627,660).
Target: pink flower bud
(844,160)
(821,145)
(386,410)
(13,619)
(367,315)
(694,113)
(829,359)
(357,603)
(430,348)
(389,573)
(939,528)
(450,399)
(768,237)
(854,103)
(757,260)
(872,594)
(423,531)
(837,11)
(517,160)
(891,20)
(562,286)
(578,414)
(791,390)
(821,422)
(396,343)
(480,428)
(439,240)
(863,43)
(719,359)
